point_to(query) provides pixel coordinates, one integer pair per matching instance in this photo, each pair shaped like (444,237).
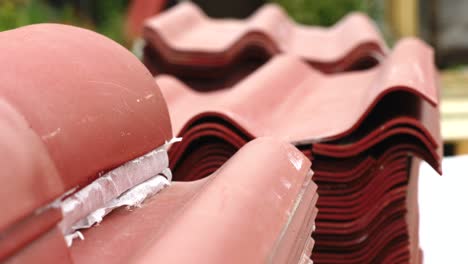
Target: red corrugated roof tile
(361,128)
(183,41)
(90,111)
(98,108)
(273,226)
(289,88)
(344,128)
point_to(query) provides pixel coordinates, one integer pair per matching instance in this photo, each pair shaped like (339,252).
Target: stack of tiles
(222,213)
(84,131)
(365,130)
(186,43)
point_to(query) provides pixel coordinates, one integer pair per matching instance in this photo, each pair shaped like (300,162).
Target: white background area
(444,212)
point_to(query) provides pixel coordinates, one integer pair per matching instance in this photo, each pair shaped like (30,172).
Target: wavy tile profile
(85,130)
(277,229)
(184,40)
(363,131)
(298,97)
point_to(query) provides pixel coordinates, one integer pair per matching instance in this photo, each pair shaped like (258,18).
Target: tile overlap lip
(183,35)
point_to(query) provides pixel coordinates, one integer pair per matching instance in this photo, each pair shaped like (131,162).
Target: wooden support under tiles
(454,109)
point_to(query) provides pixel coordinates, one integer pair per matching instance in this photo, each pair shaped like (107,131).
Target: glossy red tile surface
(177,41)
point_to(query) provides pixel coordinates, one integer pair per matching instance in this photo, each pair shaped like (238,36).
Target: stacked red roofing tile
(364,129)
(186,43)
(222,213)
(75,107)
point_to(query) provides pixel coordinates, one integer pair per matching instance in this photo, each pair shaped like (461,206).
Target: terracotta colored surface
(306,96)
(363,222)
(49,248)
(177,41)
(138,12)
(73,117)
(413,212)
(26,231)
(80,92)
(74,104)
(28,175)
(360,128)
(400,114)
(223,213)
(95,107)
(138,226)
(360,192)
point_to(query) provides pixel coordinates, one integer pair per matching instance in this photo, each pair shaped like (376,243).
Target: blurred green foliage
(105,17)
(110,18)
(16,13)
(325,12)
